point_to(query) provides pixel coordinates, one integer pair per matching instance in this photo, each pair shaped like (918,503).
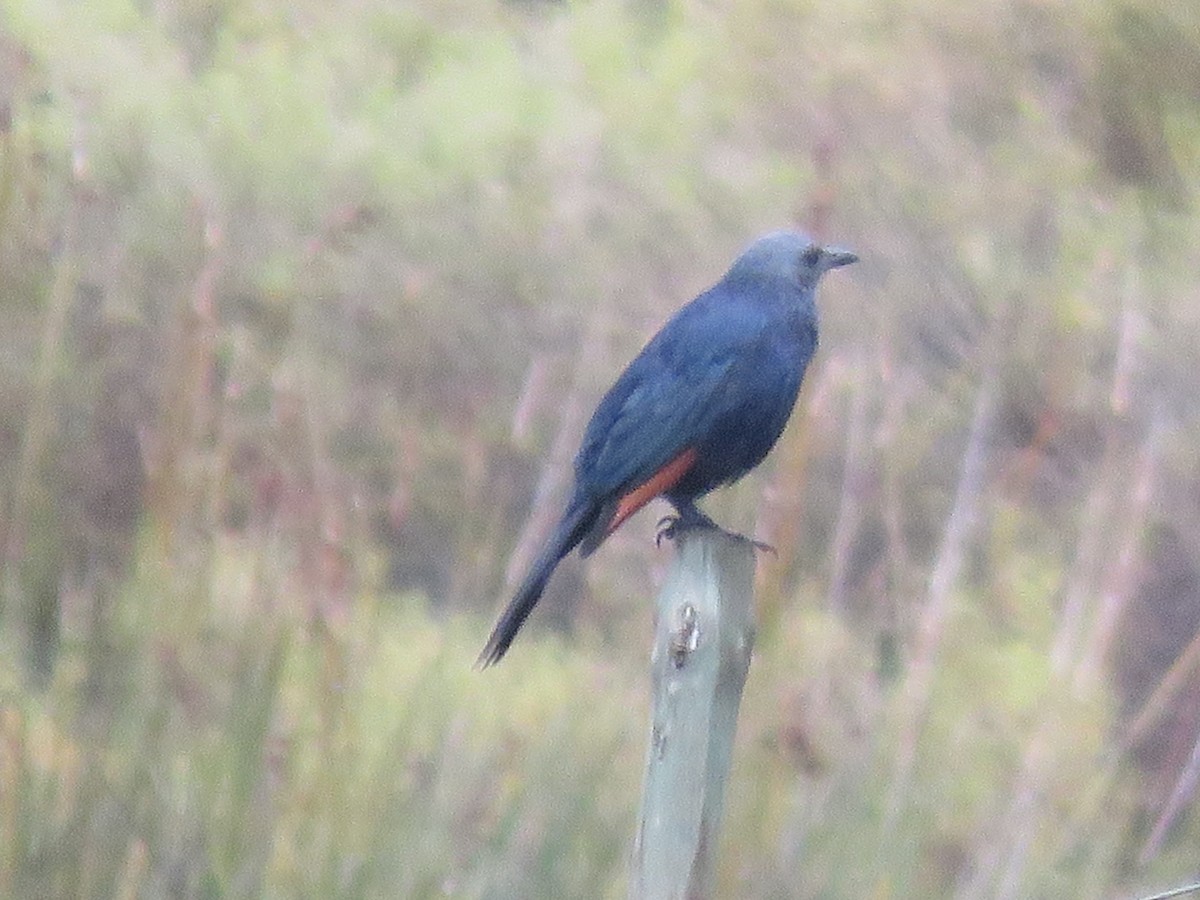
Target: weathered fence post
(703,637)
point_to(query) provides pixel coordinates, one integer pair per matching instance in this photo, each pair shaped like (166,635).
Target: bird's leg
(688,517)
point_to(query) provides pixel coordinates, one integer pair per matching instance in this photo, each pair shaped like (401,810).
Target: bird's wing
(660,405)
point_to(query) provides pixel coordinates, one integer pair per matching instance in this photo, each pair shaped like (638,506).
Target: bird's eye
(811,256)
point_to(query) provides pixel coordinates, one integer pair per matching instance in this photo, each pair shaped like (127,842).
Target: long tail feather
(570,531)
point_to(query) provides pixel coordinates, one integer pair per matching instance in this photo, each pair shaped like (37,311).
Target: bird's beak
(838,256)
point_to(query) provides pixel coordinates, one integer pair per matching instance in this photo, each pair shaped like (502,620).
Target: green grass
(257,752)
(212,737)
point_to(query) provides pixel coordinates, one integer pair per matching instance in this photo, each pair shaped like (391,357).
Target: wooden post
(703,637)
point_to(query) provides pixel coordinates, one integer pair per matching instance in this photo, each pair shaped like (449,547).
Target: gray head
(790,257)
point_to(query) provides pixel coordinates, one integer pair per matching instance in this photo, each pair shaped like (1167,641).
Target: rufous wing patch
(660,482)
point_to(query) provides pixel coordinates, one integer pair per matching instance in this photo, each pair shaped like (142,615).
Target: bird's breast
(747,419)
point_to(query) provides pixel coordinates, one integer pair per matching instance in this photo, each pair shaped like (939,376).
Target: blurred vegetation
(304,308)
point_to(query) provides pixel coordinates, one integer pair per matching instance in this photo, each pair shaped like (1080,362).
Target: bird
(701,405)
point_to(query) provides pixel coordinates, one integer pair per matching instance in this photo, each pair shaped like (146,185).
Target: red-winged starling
(699,407)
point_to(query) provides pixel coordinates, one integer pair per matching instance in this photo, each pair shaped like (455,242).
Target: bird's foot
(671,527)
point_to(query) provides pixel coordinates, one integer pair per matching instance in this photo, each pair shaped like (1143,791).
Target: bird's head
(790,257)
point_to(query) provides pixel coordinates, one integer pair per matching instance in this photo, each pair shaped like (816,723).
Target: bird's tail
(575,523)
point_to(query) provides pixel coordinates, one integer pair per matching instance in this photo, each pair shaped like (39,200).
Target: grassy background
(305,305)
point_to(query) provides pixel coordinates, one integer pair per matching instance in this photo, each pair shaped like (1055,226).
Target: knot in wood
(685,637)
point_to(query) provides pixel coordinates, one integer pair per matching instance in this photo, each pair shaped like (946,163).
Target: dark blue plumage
(699,407)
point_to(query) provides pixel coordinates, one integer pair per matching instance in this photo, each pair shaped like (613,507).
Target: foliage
(255,755)
(304,302)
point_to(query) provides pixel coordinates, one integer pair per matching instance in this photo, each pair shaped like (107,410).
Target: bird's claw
(670,527)
(666,528)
